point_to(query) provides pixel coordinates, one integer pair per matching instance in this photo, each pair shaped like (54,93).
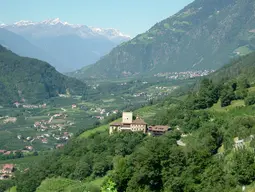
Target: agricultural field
(31,128)
(41,129)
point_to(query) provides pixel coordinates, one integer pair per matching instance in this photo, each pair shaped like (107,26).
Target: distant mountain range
(204,35)
(29,80)
(22,46)
(66,46)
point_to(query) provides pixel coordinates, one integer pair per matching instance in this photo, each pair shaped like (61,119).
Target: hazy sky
(130,16)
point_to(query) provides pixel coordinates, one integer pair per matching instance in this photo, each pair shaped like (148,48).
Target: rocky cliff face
(204,35)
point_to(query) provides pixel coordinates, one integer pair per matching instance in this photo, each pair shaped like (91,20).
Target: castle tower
(127,117)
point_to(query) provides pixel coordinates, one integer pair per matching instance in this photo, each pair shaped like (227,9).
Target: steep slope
(204,35)
(72,45)
(31,80)
(23,47)
(241,67)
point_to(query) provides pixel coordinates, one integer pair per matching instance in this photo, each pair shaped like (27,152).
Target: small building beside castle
(128,124)
(156,130)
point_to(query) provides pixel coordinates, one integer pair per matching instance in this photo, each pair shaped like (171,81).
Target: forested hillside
(243,66)
(204,35)
(31,80)
(214,123)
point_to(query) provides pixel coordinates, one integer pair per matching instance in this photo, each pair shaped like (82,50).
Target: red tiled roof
(8,166)
(158,128)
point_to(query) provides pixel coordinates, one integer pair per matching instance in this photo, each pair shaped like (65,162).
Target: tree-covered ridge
(204,35)
(238,68)
(31,79)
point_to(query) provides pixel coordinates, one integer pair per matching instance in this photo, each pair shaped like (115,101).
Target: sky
(131,17)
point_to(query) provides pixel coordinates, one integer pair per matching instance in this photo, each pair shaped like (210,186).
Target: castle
(128,124)
(137,125)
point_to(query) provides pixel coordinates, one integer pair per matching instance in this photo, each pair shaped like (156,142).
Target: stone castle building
(128,124)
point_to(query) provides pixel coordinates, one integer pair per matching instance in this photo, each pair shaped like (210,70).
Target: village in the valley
(184,74)
(55,126)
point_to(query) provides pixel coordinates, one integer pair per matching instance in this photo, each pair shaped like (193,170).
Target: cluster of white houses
(137,125)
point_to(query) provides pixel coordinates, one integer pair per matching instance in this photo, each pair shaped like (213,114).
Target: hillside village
(184,74)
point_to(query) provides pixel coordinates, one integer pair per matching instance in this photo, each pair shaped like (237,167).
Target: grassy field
(244,50)
(22,163)
(58,184)
(217,107)
(251,188)
(99,129)
(67,185)
(13,189)
(98,182)
(87,133)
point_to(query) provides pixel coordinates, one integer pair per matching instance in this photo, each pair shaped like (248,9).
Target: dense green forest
(32,80)
(207,120)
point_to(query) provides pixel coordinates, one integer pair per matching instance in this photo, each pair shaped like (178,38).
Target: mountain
(23,47)
(32,80)
(71,45)
(203,35)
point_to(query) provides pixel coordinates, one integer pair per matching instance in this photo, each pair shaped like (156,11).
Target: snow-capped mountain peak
(53,22)
(110,32)
(52,27)
(24,23)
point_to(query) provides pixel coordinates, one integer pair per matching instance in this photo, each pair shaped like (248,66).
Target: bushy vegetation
(81,159)
(6,184)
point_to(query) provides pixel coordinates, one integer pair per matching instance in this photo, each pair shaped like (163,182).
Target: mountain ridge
(81,29)
(203,35)
(22,46)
